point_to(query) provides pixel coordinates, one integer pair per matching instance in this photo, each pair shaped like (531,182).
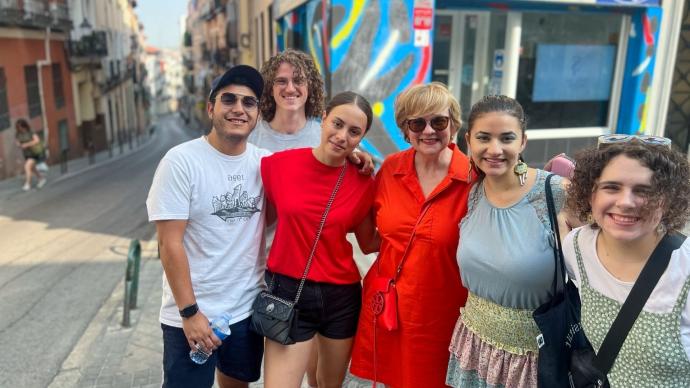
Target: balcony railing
(60,15)
(89,49)
(220,57)
(35,14)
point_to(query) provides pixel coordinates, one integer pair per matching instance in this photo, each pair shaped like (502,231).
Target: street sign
(422,18)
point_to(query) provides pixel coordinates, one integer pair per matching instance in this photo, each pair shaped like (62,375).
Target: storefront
(579,68)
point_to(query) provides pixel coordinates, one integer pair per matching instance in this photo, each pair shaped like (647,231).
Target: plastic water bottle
(221,328)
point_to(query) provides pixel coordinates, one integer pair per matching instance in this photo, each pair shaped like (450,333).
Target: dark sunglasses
(605,140)
(230,99)
(438,123)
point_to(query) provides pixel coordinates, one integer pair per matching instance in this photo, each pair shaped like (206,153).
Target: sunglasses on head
(230,99)
(605,140)
(438,123)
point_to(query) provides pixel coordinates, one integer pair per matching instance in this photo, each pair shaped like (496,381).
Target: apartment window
(4,106)
(58,91)
(32,93)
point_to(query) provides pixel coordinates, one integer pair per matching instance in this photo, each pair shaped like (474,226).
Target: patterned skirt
(493,346)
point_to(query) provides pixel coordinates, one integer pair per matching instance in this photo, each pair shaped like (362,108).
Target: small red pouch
(384,303)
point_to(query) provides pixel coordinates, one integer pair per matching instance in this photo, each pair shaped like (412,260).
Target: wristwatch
(189,311)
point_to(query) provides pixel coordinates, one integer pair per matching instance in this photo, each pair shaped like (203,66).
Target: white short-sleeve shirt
(222,199)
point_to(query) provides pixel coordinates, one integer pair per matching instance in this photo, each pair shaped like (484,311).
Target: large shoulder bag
(274,317)
(588,369)
(558,319)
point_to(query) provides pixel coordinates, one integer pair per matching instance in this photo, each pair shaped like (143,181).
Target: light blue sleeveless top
(505,254)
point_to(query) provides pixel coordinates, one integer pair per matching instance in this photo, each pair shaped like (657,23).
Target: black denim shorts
(332,310)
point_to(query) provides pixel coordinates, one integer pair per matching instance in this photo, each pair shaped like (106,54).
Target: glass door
(463,53)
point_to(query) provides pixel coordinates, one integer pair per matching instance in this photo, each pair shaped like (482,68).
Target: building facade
(72,68)
(580,68)
(35,80)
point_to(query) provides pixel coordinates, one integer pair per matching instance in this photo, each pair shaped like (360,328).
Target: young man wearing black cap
(207,201)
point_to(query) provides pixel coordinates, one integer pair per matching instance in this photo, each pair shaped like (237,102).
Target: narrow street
(63,252)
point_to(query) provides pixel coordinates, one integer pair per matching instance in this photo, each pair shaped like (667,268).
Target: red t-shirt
(299,187)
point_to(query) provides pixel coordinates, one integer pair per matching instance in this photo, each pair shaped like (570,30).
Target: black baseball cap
(239,75)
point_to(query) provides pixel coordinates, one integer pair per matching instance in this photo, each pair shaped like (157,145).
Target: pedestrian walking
(207,202)
(33,151)
(504,253)
(634,193)
(421,196)
(326,280)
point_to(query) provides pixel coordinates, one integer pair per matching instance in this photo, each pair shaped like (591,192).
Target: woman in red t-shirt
(298,184)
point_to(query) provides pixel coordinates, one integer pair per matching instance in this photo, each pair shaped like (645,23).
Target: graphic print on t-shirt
(238,206)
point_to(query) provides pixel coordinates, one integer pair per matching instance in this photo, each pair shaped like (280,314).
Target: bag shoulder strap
(318,234)
(649,277)
(409,243)
(559,261)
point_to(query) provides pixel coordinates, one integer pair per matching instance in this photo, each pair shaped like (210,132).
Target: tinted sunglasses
(438,123)
(230,99)
(605,140)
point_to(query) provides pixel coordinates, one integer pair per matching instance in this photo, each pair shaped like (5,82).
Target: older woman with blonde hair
(421,195)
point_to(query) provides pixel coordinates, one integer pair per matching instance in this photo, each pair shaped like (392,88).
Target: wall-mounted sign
(422,18)
(422,38)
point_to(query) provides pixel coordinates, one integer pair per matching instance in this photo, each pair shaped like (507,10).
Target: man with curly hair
(292,103)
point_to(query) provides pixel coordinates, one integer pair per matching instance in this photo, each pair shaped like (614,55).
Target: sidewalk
(109,355)
(12,186)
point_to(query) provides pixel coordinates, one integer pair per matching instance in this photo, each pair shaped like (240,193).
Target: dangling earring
(520,170)
(590,218)
(661,229)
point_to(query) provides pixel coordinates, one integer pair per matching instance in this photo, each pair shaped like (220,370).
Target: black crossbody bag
(589,369)
(274,317)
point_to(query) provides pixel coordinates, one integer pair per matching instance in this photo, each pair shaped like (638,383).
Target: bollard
(63,161)
(131,280)
(135,251)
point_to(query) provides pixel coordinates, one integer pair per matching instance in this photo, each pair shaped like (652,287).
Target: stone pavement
(109,355)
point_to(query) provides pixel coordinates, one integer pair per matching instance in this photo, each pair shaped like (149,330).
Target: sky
(161,20)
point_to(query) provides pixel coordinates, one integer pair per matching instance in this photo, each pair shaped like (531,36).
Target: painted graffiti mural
(371,51)
(639,70)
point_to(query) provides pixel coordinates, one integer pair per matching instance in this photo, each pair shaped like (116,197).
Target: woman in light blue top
(505,255)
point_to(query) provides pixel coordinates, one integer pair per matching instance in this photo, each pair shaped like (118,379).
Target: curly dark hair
(670,185)
(305,65)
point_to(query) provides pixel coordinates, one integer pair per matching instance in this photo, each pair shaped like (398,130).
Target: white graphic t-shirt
(222,199)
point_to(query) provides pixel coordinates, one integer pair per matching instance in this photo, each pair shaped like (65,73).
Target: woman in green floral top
(633,190)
